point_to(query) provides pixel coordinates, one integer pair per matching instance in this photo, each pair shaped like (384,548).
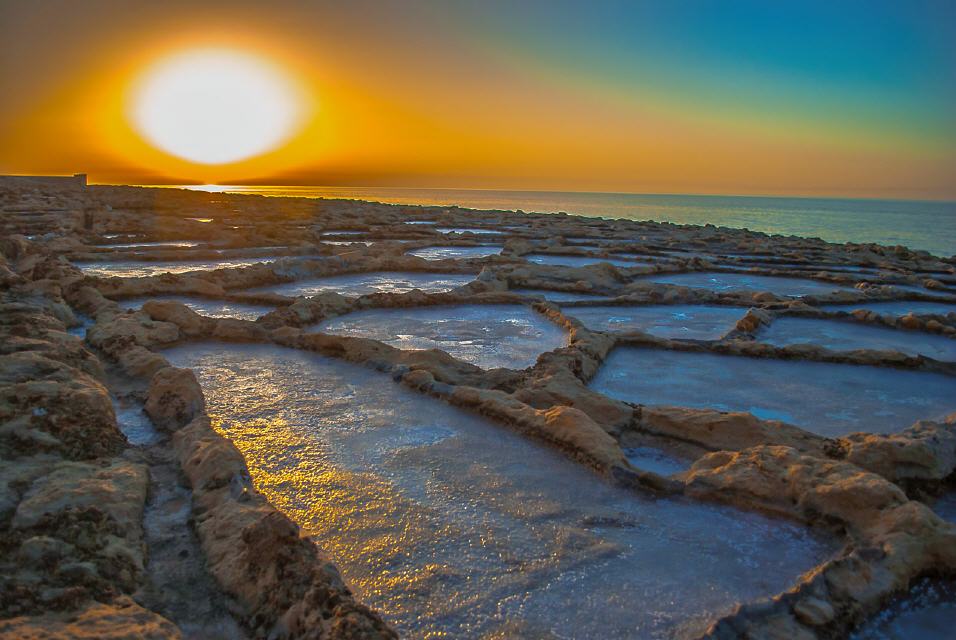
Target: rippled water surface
(490,336)
(359,284)
(845,336)
(825,398)
(694,322)
(453,526)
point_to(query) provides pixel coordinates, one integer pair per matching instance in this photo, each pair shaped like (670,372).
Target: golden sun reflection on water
(454,527)
(369,528)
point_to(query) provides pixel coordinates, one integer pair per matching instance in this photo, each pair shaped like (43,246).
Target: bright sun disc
(214,106)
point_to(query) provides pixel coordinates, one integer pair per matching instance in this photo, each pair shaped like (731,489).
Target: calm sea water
(926,225)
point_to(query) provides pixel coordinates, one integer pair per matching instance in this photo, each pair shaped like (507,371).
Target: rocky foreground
(168,538)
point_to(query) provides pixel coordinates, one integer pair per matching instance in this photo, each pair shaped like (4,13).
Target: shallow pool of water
(133,422)
(134,269)
(927,612)
(458,230)
(656,461)
(80,330)
(346,243)
(791,287)
(895,307)
(825,398)
(206,307)
(163,244)
(945,506)
(593,239)
(692,322)
(453,526)
(641,259)
(842,335)
(577,261)
(490,336)
(360,284)
(558,296)
(450,253)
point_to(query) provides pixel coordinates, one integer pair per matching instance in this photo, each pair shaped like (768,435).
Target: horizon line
(942,200)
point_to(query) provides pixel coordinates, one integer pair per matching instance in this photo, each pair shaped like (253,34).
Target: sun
(214,106)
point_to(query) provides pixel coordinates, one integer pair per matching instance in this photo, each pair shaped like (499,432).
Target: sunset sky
(806,98)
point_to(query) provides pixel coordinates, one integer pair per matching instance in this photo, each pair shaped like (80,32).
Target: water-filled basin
(134,269)
(694,322)
(451,253)
(791,287)
(490,336)
(207,307)
(453,526)
(825,398)
(841,335)
(360,284)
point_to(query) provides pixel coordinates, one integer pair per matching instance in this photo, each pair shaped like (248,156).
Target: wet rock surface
(95,494)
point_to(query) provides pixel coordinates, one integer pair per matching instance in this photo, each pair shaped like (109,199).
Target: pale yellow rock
(121,619)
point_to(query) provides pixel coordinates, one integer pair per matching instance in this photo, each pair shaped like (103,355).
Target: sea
(917,224)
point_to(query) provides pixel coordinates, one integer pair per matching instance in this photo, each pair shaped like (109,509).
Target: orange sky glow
(412,97)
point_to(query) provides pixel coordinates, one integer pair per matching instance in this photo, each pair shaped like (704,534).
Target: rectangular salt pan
(577,261)
(490,336)
(451,253)
(895,307)
(825,398)
(452,526)
(926,612)
(656,461)
(692,322)
(360,284)
(455,230)
(135,269)
(840,335)
(558,296)
(165,244)
(206,307)
(790,287)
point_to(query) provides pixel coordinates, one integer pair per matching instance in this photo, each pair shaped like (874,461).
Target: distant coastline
(927,225)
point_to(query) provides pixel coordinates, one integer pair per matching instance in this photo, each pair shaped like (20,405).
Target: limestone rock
(45,405)
(174,398)
(134,328)
(924,451)
(120,619)
(118,489)
(190,323)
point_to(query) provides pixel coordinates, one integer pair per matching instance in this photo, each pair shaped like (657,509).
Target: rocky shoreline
(93,525)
